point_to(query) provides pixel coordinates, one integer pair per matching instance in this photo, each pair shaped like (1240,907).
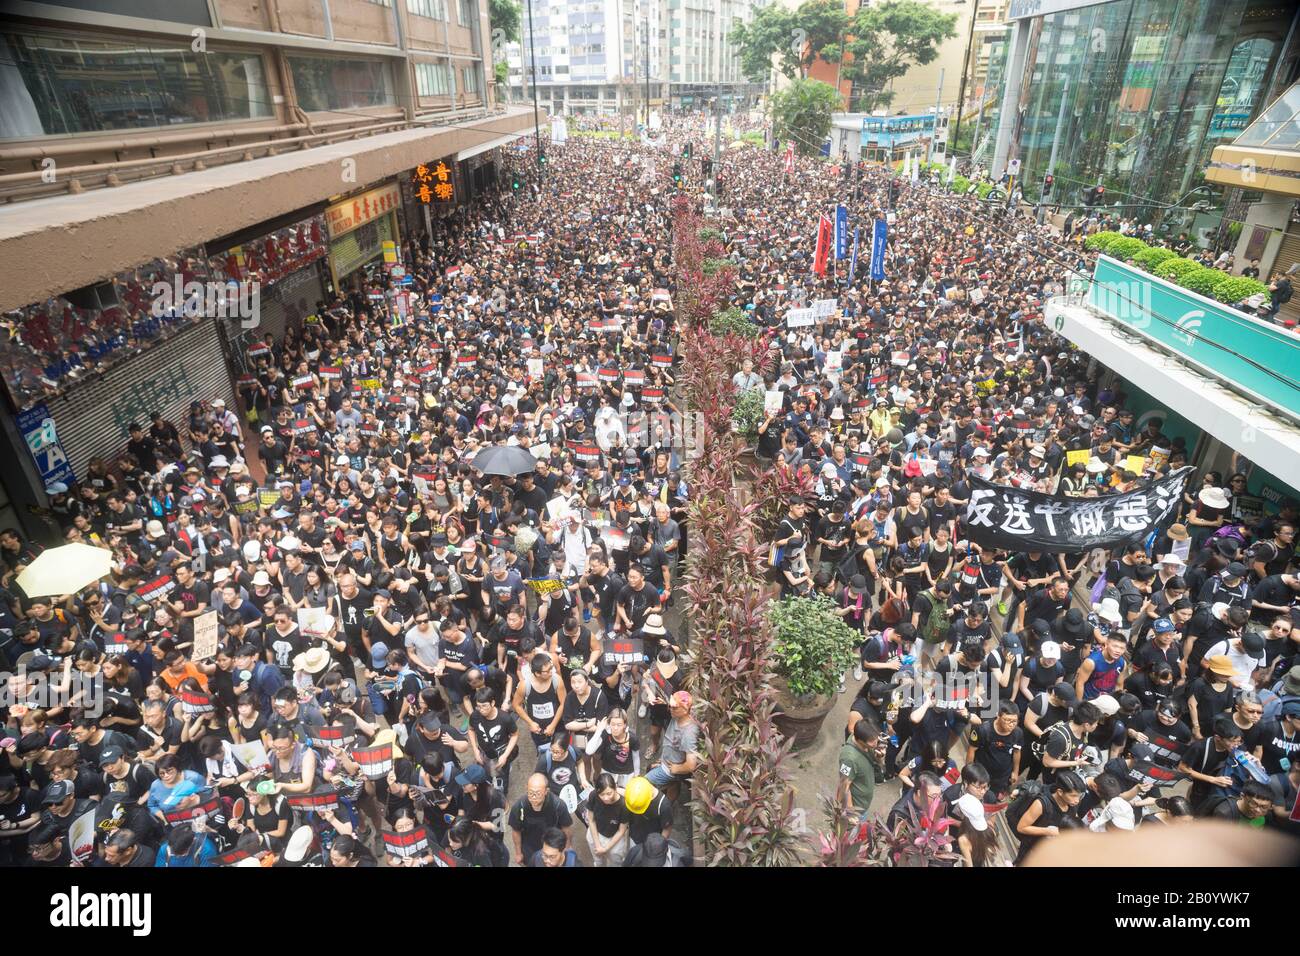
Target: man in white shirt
(1247,656)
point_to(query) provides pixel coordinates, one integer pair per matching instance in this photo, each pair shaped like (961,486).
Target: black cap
(57,792)
(1065,692)
(110,755)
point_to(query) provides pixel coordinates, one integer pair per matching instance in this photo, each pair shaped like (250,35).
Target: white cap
(288,543)
(1050,649)
(1119,812)
(252,551)
(154,529)
(882,482)
(972,811)
(219,461)
(220,575)
(1174,560)
(261,580)
(219,403)
(1107,704)
(342,460)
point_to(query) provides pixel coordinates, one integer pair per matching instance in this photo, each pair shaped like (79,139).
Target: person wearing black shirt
(1163,732)
(1206,760)
(1151,686)
(537,811)
(996,745)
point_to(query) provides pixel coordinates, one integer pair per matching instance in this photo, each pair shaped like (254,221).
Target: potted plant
(812,647)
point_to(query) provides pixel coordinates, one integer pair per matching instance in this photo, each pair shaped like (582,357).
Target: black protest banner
(999,516)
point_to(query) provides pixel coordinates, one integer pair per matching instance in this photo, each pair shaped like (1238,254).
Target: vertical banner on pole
(841,232)
(853,262)
(879,238)
(823,246)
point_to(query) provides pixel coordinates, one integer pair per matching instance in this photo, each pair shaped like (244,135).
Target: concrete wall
(246,14)
(1273,212)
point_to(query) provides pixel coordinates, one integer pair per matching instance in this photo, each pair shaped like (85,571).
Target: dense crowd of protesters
(396,630)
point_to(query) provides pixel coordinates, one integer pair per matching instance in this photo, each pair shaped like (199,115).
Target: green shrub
(708,234)
(1200,280)
(983,189)
(960,184)
(1125,247)
(734,321)
(1152,256)
(748,413)
(1232,289)
(812,646)
(1171,269)
(1100,241)
(713,266)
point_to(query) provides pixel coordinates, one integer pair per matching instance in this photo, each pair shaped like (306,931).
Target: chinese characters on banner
(1002,517)
(356,212)
(434,183)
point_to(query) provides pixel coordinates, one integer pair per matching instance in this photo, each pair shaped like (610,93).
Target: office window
(469,79)
(335,83)
(58,84)
(466,12)
(433,79)
(433,9)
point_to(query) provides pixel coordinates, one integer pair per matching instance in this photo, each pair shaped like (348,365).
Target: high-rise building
(601,56)
(592,56)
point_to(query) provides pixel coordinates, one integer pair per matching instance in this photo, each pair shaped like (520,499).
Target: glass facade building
(1150,88)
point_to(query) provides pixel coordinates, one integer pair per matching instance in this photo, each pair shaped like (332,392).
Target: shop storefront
(358,228)
(286,259)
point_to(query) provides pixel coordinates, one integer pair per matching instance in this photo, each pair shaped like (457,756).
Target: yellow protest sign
(1136,464)
(544,586)
(1079,457)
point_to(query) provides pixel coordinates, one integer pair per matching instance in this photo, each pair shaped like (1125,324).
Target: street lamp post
(537,114)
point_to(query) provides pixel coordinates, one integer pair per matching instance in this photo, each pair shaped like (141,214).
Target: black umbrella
(507,460)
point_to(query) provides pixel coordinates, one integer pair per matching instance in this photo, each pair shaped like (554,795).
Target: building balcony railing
(1253,357)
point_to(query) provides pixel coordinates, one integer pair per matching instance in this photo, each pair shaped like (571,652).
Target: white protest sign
(81,836)
(205,636)
(799,318)
(773,402)
(977,295)
(315,621)
(825,308)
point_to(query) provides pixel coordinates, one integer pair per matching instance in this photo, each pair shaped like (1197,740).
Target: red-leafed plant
(742,796)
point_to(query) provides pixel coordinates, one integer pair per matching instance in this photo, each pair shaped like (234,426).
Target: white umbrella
(65,570)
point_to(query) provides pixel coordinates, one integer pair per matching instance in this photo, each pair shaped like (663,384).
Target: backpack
(1039,746)
(1026,794)
(935,627)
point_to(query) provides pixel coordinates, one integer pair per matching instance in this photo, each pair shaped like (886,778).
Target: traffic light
(706,164)
(1093,195)
(541,157)
(1047,184)
(717,184)
(686,151)
(677,173)
(515,182)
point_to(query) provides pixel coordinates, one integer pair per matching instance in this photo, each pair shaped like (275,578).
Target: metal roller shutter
(91,417)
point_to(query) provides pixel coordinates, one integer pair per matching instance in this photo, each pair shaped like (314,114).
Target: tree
(802,112)
(504,16)
(795,37)
(887,39)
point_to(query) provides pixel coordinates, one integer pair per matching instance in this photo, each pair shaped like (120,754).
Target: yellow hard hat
(640,792)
